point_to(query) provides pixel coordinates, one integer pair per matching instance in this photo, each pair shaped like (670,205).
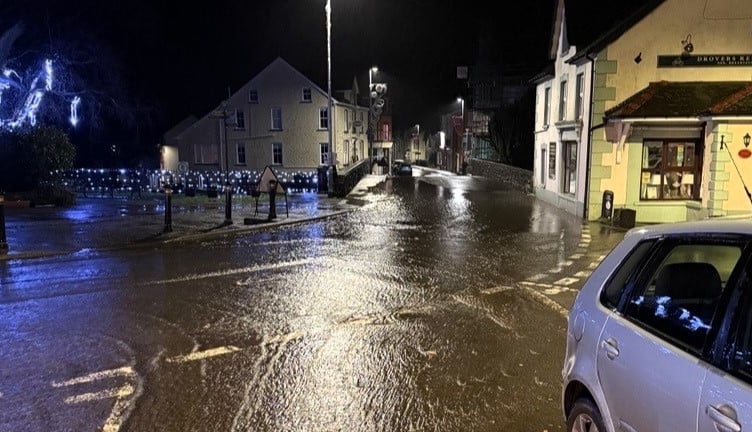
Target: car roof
(709,226)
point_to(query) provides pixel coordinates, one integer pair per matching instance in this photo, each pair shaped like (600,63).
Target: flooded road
(412,313)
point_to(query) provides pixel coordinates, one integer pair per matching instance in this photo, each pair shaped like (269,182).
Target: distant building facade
(278,118)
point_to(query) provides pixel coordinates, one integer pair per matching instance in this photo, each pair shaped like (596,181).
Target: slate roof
(687,99)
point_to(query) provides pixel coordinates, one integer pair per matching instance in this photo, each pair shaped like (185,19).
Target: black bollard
(272,199)
(228,203)
(3,241)
(168,209)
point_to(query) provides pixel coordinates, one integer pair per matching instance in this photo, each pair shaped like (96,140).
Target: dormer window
(306,95)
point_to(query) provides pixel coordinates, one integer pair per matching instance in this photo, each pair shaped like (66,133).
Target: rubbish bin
(607,207)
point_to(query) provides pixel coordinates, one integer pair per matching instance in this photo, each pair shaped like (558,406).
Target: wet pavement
(430,303)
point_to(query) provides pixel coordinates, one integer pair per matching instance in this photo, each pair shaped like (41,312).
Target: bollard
(272,201)
(228,203)
(3,241)
(168,209)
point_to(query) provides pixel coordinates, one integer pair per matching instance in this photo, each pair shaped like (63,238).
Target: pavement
(121,221)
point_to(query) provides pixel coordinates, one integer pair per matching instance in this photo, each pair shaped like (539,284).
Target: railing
(347,179)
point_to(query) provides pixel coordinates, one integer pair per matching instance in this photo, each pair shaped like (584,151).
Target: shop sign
(704,60)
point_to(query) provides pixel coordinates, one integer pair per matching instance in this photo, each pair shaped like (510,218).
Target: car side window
(740,352)
(679,299)
(629,268)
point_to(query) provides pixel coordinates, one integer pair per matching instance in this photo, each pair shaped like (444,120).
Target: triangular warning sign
(267,176)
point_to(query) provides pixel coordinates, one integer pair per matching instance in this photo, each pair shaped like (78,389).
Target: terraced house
(646,113)
(278,118)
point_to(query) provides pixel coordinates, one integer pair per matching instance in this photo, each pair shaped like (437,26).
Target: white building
(279,118)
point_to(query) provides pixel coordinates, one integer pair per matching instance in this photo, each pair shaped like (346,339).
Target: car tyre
(585,417)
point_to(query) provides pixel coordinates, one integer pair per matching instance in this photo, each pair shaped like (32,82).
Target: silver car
(660,336)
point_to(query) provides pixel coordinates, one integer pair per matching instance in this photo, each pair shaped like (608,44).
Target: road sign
(266,176)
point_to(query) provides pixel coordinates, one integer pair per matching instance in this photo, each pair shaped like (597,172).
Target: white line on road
(200,355)
(496,290)
(123,371)
(566,281)
(230,272)
(119,393)
(583,274)
(538,277)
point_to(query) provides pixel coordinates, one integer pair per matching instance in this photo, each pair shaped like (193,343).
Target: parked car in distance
(402,168)
(660,336)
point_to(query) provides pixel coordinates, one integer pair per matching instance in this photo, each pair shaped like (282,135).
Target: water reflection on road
(402,315)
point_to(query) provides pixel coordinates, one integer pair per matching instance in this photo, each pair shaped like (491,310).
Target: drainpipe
(589,139)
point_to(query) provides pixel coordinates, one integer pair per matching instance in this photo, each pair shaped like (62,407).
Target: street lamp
(371,136)
(330,174)
(462,112)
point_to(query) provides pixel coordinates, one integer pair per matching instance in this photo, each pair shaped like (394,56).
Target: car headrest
(688,280)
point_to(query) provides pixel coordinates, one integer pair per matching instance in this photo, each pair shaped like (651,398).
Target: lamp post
(371,125)
(330,174)
(222,114)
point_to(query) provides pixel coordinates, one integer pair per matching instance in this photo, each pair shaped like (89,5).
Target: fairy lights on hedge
(98,180)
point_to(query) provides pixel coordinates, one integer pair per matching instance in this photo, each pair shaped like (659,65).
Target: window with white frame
(347,120)
(324,153)
(306,95)
(240,154)
(569,167)
(276,119)
(563,100)
(543,165)
(552,160)
(323,118)
(347,151)
(253,96)
(546,105)
(277,153)
(579,105)
(239,119)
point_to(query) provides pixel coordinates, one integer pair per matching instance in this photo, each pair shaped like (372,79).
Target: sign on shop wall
(704,60)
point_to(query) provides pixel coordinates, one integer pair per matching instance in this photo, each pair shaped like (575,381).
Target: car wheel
(585,417)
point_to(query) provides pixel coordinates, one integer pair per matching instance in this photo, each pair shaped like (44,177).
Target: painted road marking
(120,392)
(566,281)
(593,265)
(538,277)
(583,245)
(555,270)
(200,355)
(565,263)
(123,371)
(235,271)
(122,401)
(496,290)
(601,258)
(583,274)
(576,256)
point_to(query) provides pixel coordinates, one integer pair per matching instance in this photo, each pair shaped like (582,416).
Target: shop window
(670,170)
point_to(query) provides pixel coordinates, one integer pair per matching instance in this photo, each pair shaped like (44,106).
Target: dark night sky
(182,56)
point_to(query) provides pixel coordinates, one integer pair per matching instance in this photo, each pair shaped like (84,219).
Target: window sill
(306,101)
(276,130)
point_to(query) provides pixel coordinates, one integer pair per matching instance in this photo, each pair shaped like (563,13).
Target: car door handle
(611,347)
(722,420)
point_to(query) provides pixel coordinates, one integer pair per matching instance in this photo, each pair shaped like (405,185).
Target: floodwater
(404,315)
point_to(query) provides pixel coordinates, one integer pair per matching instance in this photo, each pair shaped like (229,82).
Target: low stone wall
(518,178)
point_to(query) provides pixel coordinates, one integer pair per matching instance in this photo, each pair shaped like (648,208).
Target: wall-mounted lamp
(687,45)
(746,140)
